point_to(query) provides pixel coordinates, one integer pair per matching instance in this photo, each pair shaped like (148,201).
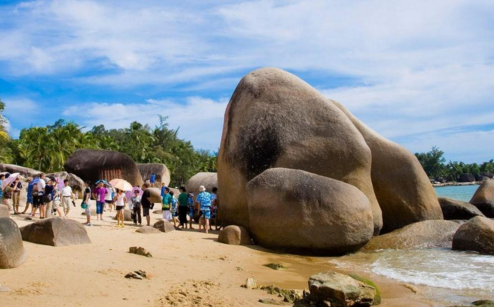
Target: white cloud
(199,120)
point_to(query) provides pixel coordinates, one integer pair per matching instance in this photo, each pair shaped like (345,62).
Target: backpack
(7,192)
(35,189)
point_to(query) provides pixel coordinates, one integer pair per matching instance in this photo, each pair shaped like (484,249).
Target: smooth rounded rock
(483,198)
(164,226)
(235,235)
(208,180)
(458,210)
(475,235)
(148,230)
(12,252)
(55,232)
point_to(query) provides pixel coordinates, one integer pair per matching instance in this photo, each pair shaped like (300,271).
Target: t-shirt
(136,201)
(204,199)
(41,185)
(167,200)
(153,178)
(163,188)
(109,195)
(183,199)
(67,191)
(120,200)
(48,189)
(101,192)
(144,199)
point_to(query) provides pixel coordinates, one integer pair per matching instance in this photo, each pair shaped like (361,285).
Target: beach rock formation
(12,252)
(339,290)
(483,198)
(274,119)
(458,210)
(235,235)
(75,182)
(303,212)
(475,235)
(148,230)
(24,171)
(55,232)
(4,211)
(466,178)
(425,234)
(402,187)
(164,226)
(155,195)
(208,180)
(160,170)
(93,165)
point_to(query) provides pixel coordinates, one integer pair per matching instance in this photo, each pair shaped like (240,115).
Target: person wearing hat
(204,200)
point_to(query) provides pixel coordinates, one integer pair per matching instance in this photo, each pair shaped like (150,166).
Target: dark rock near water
(306,213)
(12,252)
(426,234)
(164,226)
(235,235)
(160,170)
(483,198)
(458,210)
(93,165)
(475,235)
(55,232)
(466,178)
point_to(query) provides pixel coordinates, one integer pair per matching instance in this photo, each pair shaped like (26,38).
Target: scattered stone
(425,234)
(12,252)
(475,235)
(239,269)
(271,301)
(340,290)
(458,210)
(411,288)
(250,283)
(289,296)
(275,266)
(4,211)
(148,230)
(137,275)
(377,298)
(4,289)
(235,235)
(140,251)
(483,198)
(55,232)
(164,226)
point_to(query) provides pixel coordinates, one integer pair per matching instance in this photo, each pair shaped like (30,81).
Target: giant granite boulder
(302,212)
(160,170)
(24,171)
(12,253)
(93,165)
(425,234)
(402,187)
(55,232)
(475,235)
(274,119)
(483,198)
(458,210)
(208,180)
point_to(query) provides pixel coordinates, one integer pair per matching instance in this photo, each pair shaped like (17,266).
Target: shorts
(120,208)
(99,207)
(37,201)
(167,215)
(56,204)
(109,201)
(88,209)
(191,212)
(206,213)
(29,199)
(145,211)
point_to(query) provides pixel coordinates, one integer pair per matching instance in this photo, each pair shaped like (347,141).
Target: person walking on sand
(109,199)
(146,203)
(167,205)
(162,190)
(183,203)
(47,207)
(56,200)
(152,180)
(16,194)
(191,208)
(86,202)
(174,209)
(67,197)
(100,194)
(204,201)
(214,209)
(29,196)
(120,200)
(39,192)
(136,207)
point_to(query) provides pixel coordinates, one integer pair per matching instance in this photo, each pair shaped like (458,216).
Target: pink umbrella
(130,194)
(61,185)
(9,180)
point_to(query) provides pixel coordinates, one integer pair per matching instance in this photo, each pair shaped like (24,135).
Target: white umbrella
(9,180)
(121,185)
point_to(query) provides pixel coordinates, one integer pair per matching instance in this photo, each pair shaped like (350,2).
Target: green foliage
(377,298)
(434,165)
(48,148)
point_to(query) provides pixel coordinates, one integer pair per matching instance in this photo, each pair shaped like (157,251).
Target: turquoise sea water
(463,193)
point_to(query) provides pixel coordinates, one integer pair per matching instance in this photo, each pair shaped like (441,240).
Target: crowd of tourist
(47,197)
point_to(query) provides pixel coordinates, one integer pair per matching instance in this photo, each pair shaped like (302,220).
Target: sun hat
(202,188)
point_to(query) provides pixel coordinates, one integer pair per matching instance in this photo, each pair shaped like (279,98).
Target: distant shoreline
(455,184)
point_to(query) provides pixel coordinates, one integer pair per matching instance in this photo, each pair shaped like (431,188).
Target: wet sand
(188,268)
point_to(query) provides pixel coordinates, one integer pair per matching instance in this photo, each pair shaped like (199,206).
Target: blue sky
(418,72)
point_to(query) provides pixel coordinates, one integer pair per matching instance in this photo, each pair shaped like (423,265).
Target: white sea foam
(430,267)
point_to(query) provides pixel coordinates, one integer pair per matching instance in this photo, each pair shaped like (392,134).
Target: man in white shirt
(67,196)
(38,197)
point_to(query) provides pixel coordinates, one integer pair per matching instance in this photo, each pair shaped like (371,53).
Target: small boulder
(164,226)
(458,210)
(235,235)
(483,198)
(4,211)
(12,252)
(147,230)
(433,233)
(340,290)
(55,232)
(250,283)
(140,251)
(475,235)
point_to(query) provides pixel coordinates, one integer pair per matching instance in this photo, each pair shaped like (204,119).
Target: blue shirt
(163,188)
(153,178)
(204,199)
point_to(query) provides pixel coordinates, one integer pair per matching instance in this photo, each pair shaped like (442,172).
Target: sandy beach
(188,268)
